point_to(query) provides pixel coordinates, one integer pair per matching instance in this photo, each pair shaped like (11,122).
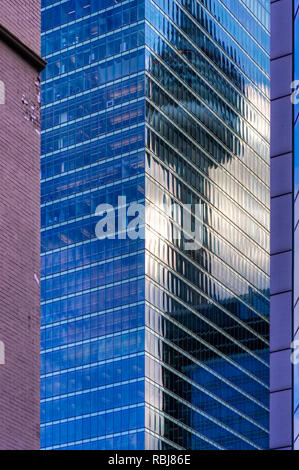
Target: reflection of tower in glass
(209,307)
(159,347)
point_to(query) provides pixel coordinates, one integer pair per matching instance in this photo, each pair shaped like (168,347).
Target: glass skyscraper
(147,344)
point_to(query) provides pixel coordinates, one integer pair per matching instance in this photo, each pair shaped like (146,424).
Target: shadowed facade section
(20,65)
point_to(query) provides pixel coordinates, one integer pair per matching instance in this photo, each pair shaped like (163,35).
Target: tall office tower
(20,64)
(157,341)
(284,312)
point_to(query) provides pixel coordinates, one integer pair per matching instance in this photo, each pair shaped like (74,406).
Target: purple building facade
(283,235)
(20,65)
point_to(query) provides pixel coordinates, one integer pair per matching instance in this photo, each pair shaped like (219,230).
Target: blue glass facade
(146,345)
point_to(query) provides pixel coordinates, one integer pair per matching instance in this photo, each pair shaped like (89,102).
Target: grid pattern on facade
(144,344)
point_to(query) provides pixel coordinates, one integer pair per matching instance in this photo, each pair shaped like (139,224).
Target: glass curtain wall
(152,342)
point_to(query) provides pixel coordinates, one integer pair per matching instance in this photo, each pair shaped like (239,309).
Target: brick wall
(22,18)
(19,233)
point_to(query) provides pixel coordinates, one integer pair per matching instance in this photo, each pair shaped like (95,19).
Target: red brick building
(20,65)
